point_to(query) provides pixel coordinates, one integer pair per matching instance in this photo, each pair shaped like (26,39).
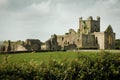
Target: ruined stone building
(33,44)
(88,36)
(28,45)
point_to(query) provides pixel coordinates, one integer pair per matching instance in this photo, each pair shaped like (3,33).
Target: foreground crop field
(60,66)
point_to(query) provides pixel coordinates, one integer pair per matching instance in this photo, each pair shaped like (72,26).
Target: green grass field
(45,56)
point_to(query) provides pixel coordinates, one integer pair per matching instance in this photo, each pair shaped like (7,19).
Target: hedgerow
(105,66)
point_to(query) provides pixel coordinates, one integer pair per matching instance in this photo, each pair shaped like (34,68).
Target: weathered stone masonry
(88,36)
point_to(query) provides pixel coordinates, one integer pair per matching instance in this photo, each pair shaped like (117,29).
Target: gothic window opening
(109,40)
(68,42)
(96,40)
(62,38)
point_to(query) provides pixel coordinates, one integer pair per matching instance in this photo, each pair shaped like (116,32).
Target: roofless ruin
(88,36)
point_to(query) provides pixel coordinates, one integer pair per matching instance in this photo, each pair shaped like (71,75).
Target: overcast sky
(39,19)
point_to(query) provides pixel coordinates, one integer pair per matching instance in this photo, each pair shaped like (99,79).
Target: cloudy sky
(39,19)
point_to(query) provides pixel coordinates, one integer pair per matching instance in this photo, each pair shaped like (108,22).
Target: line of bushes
(105,66)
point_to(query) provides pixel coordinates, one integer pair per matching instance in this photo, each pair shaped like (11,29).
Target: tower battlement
(89,26)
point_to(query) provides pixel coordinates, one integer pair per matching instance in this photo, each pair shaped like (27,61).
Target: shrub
(106,66)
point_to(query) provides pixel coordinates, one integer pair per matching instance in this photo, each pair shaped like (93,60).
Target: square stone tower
(89,25)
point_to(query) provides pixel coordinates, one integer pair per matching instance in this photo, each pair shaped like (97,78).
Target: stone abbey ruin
(88,36)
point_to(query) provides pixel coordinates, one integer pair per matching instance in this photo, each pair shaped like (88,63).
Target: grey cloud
(41,18)
(17,5)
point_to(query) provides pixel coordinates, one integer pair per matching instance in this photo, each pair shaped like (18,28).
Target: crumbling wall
(89,42)
(33,44)
(109,38)
(52,43)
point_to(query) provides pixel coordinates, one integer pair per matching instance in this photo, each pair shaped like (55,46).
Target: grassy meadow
(44,56)
(88,65)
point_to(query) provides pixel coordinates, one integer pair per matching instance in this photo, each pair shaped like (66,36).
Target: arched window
(68,42)
(96,40)
(109,39)
(62,38)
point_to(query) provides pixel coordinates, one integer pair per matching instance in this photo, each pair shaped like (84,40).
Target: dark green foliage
(106,66)
(117,43)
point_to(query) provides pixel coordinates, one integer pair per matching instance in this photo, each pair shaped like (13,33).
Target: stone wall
(52,43)
(8,46)
(69,40)
(100,39)
(106,39)
(33,44)
(89,41)
(109,38)
(78,40)
(28,45)
(21,48)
